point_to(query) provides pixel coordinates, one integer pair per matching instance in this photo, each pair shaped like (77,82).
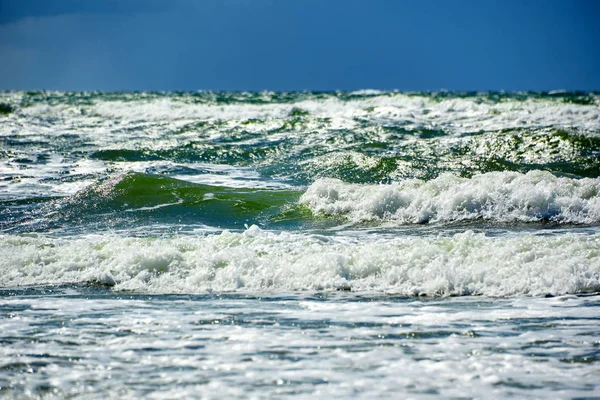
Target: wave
(55,143)
(134,199)
(392,153)
(466,263)
(137,199)
(455,112)
(495,196)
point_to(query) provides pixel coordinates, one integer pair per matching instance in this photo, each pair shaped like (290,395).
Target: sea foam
(495,196)
(466,263)
(452,113)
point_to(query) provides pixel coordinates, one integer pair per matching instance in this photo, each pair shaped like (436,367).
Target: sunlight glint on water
(251,245)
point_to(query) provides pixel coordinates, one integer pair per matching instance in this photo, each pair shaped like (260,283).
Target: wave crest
(463,264)
(494,196)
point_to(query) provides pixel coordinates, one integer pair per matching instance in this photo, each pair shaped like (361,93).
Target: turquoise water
(364,244)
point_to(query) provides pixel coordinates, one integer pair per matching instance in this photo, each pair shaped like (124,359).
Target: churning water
(251,245)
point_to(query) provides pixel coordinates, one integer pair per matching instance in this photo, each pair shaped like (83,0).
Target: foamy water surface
(274,245)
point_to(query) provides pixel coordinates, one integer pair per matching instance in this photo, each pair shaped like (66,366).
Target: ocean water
(299,245)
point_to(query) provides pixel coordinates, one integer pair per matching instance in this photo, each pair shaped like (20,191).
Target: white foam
(331,131)
(497,196)
(44,179)
(453,115)
(255,260)
(459,115)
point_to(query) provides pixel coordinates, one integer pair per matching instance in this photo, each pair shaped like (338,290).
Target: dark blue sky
(300,45)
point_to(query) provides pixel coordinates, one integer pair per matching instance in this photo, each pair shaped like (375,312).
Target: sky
(321,45)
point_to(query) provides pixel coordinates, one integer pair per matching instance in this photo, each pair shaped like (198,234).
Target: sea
(252,245)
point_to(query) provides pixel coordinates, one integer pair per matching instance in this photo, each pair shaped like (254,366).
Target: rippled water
(95,343)
(366,244)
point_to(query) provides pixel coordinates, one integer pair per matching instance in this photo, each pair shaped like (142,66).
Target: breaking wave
(466,263)
(495,196)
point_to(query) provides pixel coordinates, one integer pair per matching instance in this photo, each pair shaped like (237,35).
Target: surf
(255,260)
